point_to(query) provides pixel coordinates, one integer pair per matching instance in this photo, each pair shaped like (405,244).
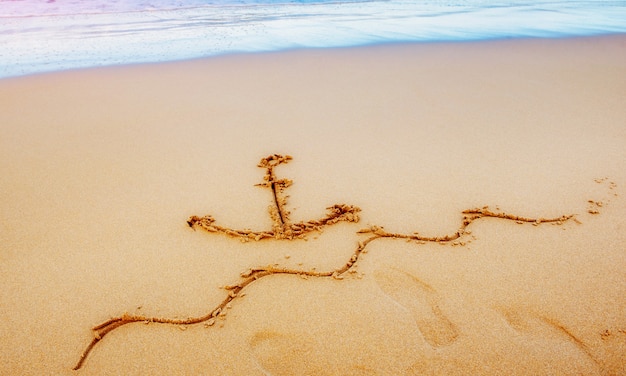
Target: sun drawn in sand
(437,329)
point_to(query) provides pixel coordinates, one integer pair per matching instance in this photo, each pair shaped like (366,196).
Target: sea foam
(38,36)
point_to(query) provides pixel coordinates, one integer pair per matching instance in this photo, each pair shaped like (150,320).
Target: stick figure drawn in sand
(284,230)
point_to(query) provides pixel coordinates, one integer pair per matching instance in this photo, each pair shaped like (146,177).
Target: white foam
(76,35)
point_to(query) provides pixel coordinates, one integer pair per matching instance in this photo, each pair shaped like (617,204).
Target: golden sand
(480,228)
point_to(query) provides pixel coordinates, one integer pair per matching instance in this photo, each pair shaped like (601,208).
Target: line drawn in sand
(437,329)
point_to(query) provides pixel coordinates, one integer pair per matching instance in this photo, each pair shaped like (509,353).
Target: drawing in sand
(283,229)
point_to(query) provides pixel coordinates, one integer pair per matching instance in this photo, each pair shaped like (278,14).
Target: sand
(102,168)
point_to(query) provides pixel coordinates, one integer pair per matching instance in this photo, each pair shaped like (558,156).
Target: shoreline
(104,167)
(56,55)
(296,50)
(380,45)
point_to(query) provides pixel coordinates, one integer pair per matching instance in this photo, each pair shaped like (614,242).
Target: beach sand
(102,168)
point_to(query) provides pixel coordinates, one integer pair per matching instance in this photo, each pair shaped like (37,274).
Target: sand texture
(391,210)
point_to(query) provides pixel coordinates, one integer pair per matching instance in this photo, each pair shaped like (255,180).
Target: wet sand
(103,168)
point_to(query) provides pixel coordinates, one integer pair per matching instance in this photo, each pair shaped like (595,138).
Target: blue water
(50,35)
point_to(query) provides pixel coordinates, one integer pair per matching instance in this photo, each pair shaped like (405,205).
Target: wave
(38,8)
(83,34)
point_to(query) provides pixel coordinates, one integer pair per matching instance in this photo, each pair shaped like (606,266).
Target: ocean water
(51,35)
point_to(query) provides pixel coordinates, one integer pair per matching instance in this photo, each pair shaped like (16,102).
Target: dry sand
(102,168)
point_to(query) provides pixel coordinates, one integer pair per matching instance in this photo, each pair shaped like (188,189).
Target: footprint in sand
(422,301)
(551,331)
(282,354)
